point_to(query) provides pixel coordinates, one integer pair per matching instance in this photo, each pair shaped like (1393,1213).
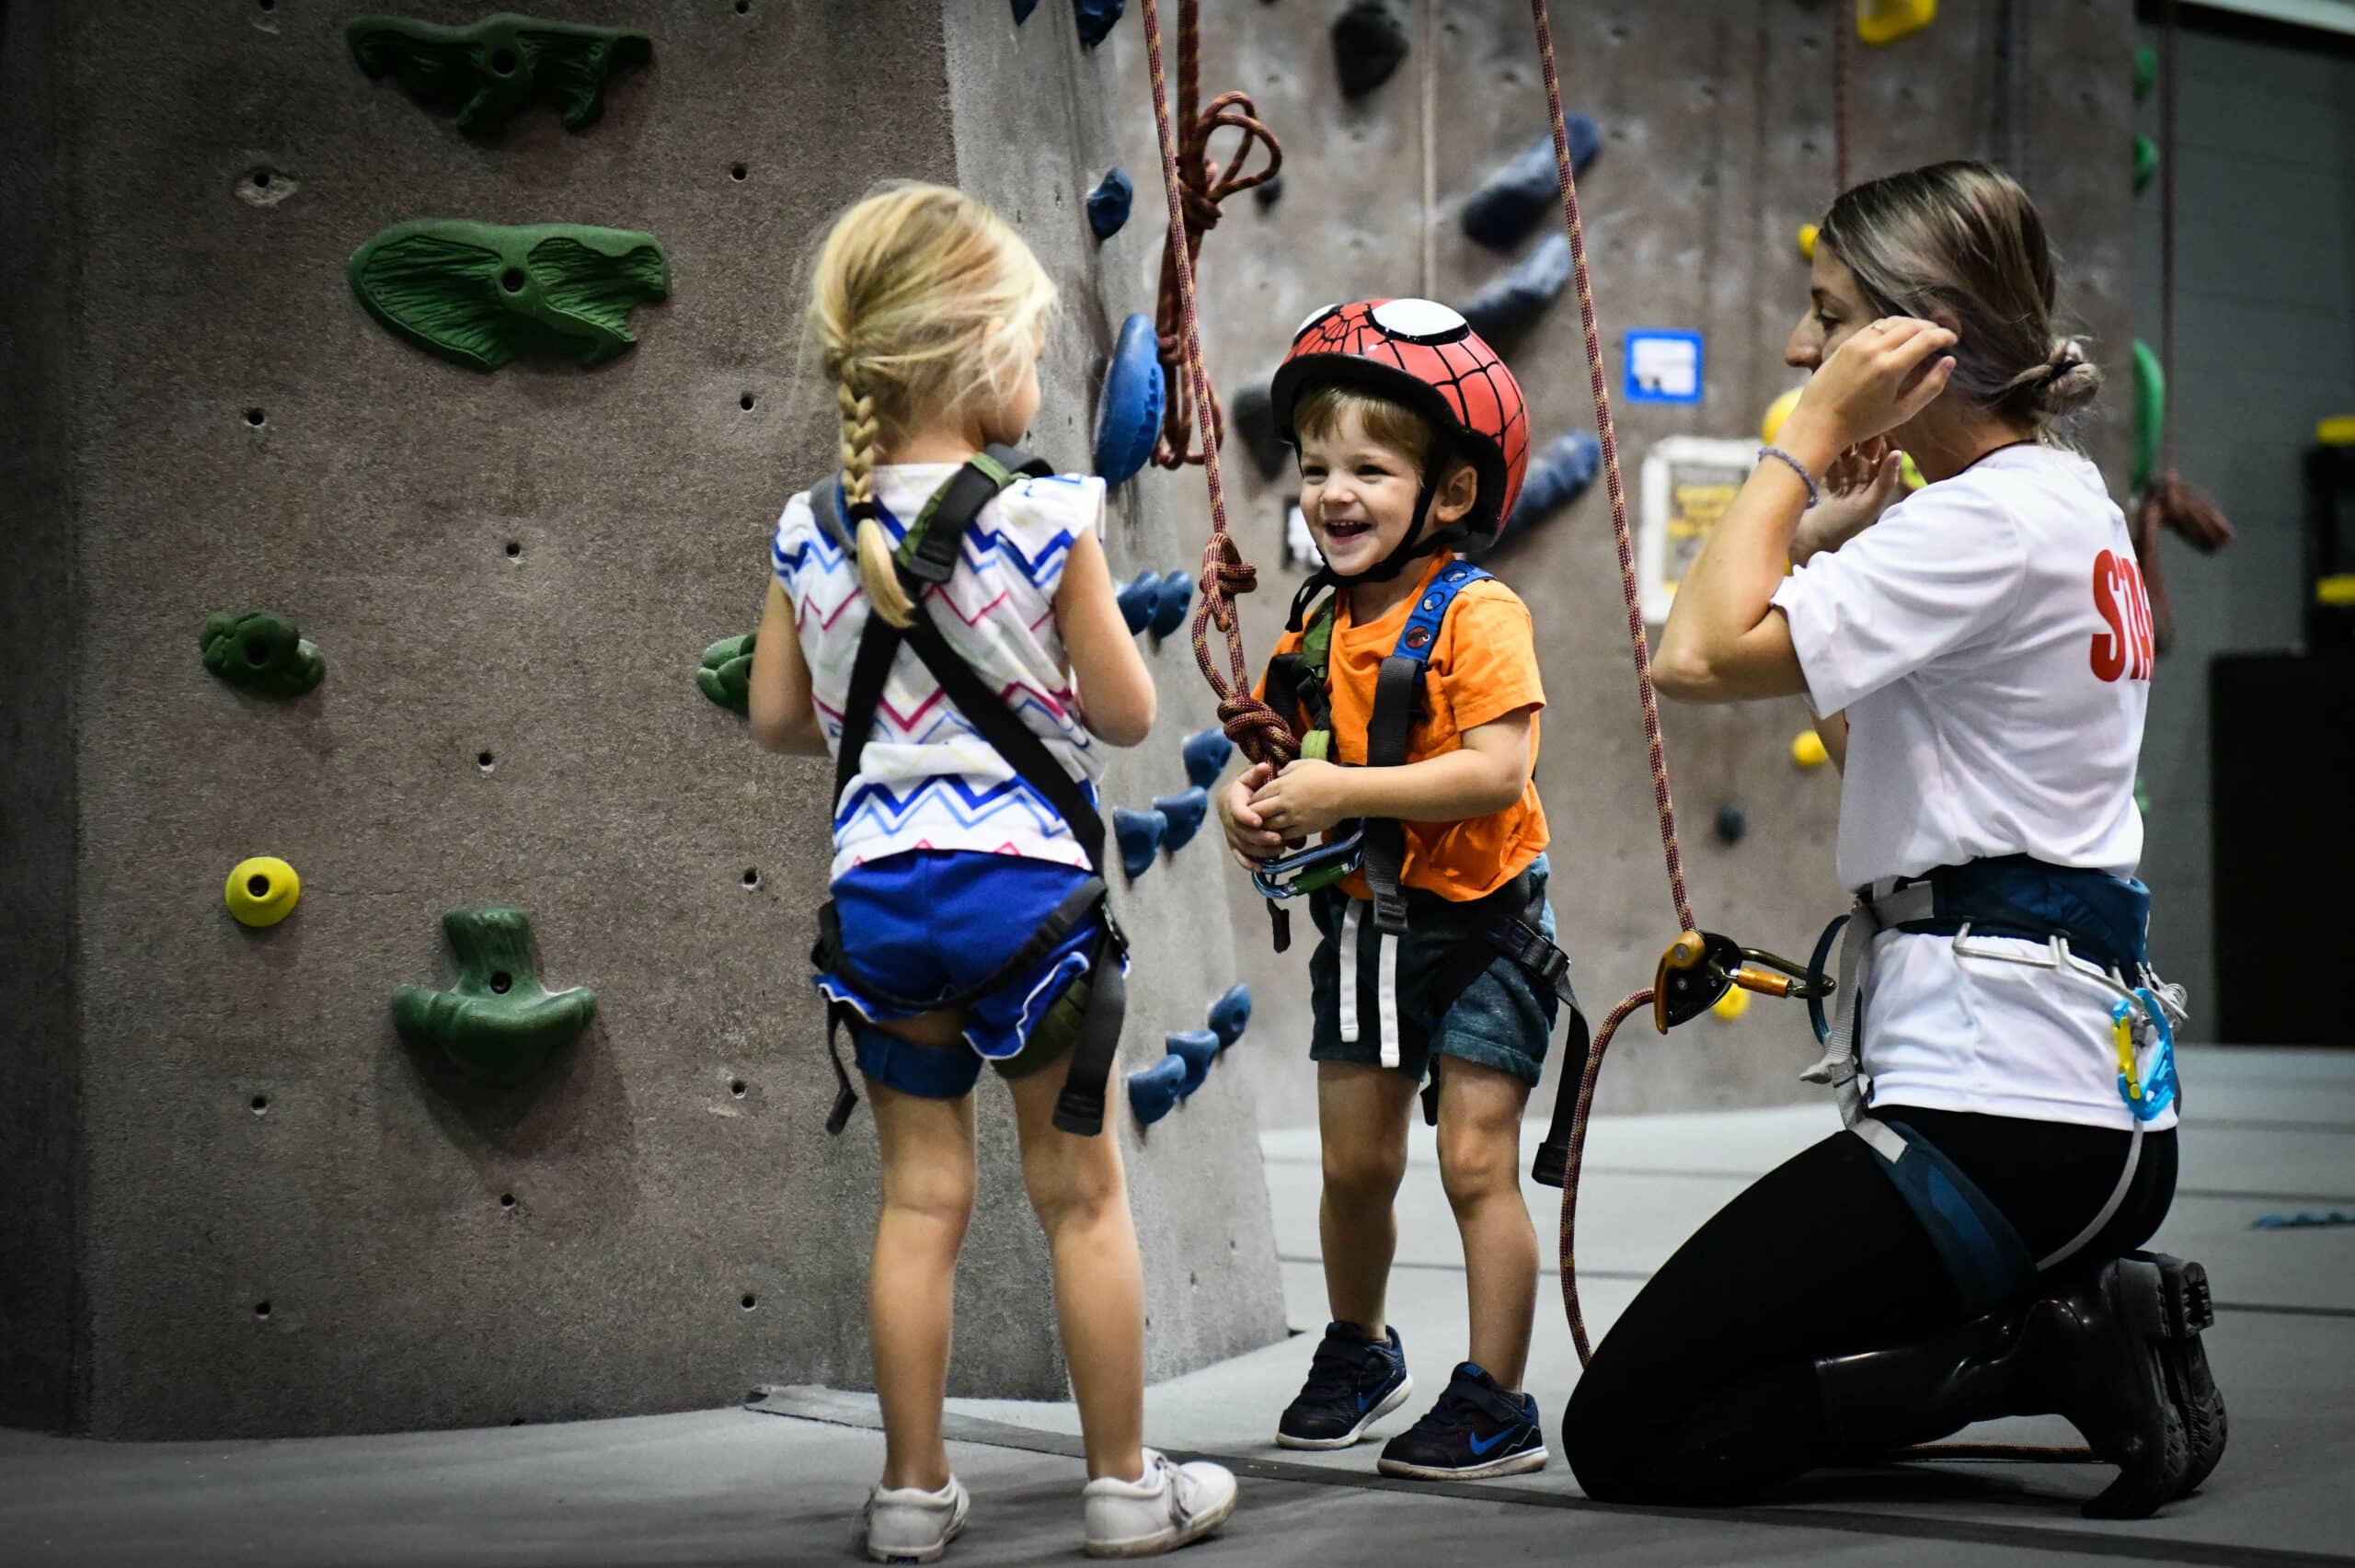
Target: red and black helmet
(1425,356)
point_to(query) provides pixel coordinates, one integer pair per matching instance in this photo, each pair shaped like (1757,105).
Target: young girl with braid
(929,314)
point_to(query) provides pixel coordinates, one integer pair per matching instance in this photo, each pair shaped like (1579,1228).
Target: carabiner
(2146,1096)
(1700,966)
(1306,871)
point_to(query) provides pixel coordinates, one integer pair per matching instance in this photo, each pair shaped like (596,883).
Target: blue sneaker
(1354,1381)
(1475,1430)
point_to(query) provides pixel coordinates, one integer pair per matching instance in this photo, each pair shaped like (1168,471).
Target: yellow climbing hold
(1913,475)
(1776,412)
(2336,430)
(1806,750)
(262,891)
(1806,240)
(1886,21)
(1732,1005)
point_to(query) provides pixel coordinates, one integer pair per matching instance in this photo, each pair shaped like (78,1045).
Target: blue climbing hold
(1521,292)
(1525,189)
(1564,469)
(2308,1220)
(1206,754)
(1128,411)
(1195,1048)
(1108,204)
(1095,19)
(1136,600)
(1022,9)
(1732,822)
(1230,1014)
(1140,834)
(1184,814)
(1153,1092)
(1169,601)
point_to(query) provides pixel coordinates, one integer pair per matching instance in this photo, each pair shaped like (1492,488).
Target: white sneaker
(1171,1506)
(903,1525)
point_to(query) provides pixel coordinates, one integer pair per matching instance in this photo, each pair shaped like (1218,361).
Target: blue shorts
(934,922)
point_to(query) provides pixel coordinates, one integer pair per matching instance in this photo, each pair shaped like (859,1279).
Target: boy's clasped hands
(1264,809)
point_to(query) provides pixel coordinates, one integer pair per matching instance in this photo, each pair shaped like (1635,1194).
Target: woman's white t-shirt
(1990,641)
(927,779)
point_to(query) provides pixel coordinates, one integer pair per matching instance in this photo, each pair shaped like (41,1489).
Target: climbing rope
(1249,723)
(1655,748)
(1197,194)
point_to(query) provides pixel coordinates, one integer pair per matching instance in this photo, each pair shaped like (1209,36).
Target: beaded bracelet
(1813,495)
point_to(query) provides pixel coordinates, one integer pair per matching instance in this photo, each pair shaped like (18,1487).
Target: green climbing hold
(2146,161)
(494,67)
(727,673)
(261,652)
(2150,411)
(499,1023)
(2146,69)
(482,293)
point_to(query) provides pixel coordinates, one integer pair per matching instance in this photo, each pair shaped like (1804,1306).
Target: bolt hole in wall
(752,876)
(737,171)
(262,1308)
(254,416)
(485,761)
(506,1200)
(749,1302)
(261,180)
(746,402)
(260,1104)
(736,1087)
(513,550)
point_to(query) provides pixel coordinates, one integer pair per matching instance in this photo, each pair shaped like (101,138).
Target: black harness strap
(1397,704)
(938,538)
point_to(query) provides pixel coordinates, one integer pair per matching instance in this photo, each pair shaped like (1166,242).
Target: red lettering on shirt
(2126,649)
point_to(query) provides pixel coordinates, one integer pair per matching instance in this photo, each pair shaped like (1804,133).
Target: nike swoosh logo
(1482,1448)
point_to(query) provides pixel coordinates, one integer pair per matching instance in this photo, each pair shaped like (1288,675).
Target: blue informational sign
(1663,367)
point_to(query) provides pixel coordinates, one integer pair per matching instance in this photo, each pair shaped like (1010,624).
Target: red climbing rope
(1251,724)
(1655,745)
(1198,194)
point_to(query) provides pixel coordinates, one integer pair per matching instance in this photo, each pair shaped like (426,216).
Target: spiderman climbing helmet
(1426,357)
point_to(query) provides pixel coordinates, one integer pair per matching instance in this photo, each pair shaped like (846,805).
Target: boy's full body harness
(1091,1006)
(1426,357)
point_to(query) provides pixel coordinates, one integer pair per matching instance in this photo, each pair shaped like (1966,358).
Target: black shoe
(2190,1385)
(2096,1357)
(1476,1429)
(1353,1381)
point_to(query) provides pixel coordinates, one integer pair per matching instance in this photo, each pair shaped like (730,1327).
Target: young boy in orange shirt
(1416,686)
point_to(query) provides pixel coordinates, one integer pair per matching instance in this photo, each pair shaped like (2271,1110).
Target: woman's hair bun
(2070,380)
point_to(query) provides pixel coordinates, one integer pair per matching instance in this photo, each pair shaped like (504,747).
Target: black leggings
(1703,1392)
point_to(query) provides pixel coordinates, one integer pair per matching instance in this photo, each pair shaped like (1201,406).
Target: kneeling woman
(1979,653)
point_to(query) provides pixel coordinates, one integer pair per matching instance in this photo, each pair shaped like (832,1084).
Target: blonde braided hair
(922,300)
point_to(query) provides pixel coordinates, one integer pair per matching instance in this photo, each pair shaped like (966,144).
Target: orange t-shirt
(1483,666)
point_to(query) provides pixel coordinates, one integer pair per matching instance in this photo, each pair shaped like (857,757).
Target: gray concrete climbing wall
(239,1204)
(1716,145)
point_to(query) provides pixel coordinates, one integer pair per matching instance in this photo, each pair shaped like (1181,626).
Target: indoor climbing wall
(405,942)
(1712,144)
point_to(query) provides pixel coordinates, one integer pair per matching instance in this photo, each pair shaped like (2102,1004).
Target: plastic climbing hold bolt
(482,293)
(1806,750)
(1153,1092)
(1136,600)
(1564,469)
(1369,42)
(1733,822)
(496,66)
(262,891)
(1096,18)
(261,652)
(1206,753)
(1776,412)
(2150,411)
(499,1023)
(1516,296)
(726,675)
(1231,1014)
(1807,241)
(1529,187)
(1886,21)
(1197,1049)
(2146,161)
(1128,411)
(1139,834)
(1108,204)
(1169,601)
(1184,813)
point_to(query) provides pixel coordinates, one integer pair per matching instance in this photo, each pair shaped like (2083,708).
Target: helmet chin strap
(1405,552)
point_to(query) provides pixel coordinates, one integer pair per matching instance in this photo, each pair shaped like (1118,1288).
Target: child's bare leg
(1361,1115)
(911,1286)
(1480,1165)
(1081,1195)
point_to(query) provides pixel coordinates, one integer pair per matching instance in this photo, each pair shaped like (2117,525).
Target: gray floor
(2275,1133)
